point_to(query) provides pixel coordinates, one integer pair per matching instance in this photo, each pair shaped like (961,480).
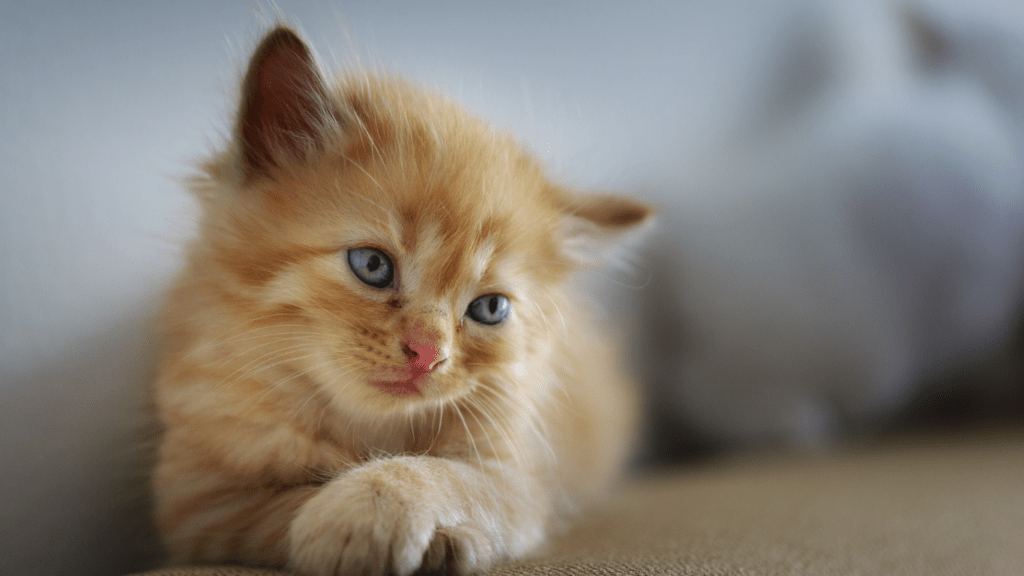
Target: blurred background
(840,185)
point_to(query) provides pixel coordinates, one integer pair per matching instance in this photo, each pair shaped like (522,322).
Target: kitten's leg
(213,516)
(227,491)
(401,514)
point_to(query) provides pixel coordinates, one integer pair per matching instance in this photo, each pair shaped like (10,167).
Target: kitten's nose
(425,342)
(423,355)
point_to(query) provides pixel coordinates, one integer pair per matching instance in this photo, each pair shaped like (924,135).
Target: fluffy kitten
(372,361)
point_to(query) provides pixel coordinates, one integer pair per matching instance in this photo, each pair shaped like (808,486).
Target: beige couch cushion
(928,506)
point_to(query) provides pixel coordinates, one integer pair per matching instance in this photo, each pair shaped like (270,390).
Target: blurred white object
(860,230)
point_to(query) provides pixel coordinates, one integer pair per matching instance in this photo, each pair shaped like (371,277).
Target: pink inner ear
(611,212)
(282,101)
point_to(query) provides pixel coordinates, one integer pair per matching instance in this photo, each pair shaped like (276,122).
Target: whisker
(258,364)
(469,435)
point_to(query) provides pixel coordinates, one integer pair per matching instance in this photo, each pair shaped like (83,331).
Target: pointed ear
(283,106)
(601,228)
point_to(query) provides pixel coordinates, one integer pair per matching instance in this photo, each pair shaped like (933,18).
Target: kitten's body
(318,422)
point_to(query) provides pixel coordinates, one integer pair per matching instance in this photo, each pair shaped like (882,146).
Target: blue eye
(489,308)
(372,266)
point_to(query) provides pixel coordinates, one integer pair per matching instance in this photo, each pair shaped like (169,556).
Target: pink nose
(423,356)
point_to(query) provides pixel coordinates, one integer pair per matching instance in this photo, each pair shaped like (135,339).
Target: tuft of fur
(281,447)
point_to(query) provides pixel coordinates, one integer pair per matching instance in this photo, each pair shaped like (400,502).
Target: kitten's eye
(371,266)
(489,309)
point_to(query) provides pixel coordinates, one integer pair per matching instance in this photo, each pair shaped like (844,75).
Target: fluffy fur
(317,422)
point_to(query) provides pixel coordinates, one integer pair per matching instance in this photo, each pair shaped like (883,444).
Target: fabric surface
(931,506)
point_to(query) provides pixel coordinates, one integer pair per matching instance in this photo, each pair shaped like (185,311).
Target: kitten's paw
(386,518)
(457,550)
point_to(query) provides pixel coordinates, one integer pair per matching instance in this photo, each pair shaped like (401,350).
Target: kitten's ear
(284,103)
(601,228)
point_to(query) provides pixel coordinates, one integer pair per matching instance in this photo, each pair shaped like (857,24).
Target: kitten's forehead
(449,197)
(442,260)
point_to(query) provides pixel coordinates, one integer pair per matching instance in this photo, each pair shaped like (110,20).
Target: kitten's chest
(362,441)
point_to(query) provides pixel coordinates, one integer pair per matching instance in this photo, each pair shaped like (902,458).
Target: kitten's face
(393,251)
(420,279)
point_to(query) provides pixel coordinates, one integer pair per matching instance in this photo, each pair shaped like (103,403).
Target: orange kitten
(372,361)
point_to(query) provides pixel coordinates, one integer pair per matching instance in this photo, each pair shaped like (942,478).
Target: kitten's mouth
(401,389)
(402,382)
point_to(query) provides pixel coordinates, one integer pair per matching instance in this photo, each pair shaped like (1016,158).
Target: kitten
(372,361)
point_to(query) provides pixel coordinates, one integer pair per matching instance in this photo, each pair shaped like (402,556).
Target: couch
(928,504)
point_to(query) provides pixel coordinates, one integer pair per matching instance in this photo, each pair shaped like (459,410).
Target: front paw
(392,516)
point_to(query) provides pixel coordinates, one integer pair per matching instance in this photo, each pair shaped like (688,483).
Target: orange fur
(285,442)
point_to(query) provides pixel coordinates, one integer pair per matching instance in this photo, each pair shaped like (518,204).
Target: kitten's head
(403,251)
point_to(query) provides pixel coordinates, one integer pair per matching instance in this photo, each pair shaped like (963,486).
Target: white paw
(388,517)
